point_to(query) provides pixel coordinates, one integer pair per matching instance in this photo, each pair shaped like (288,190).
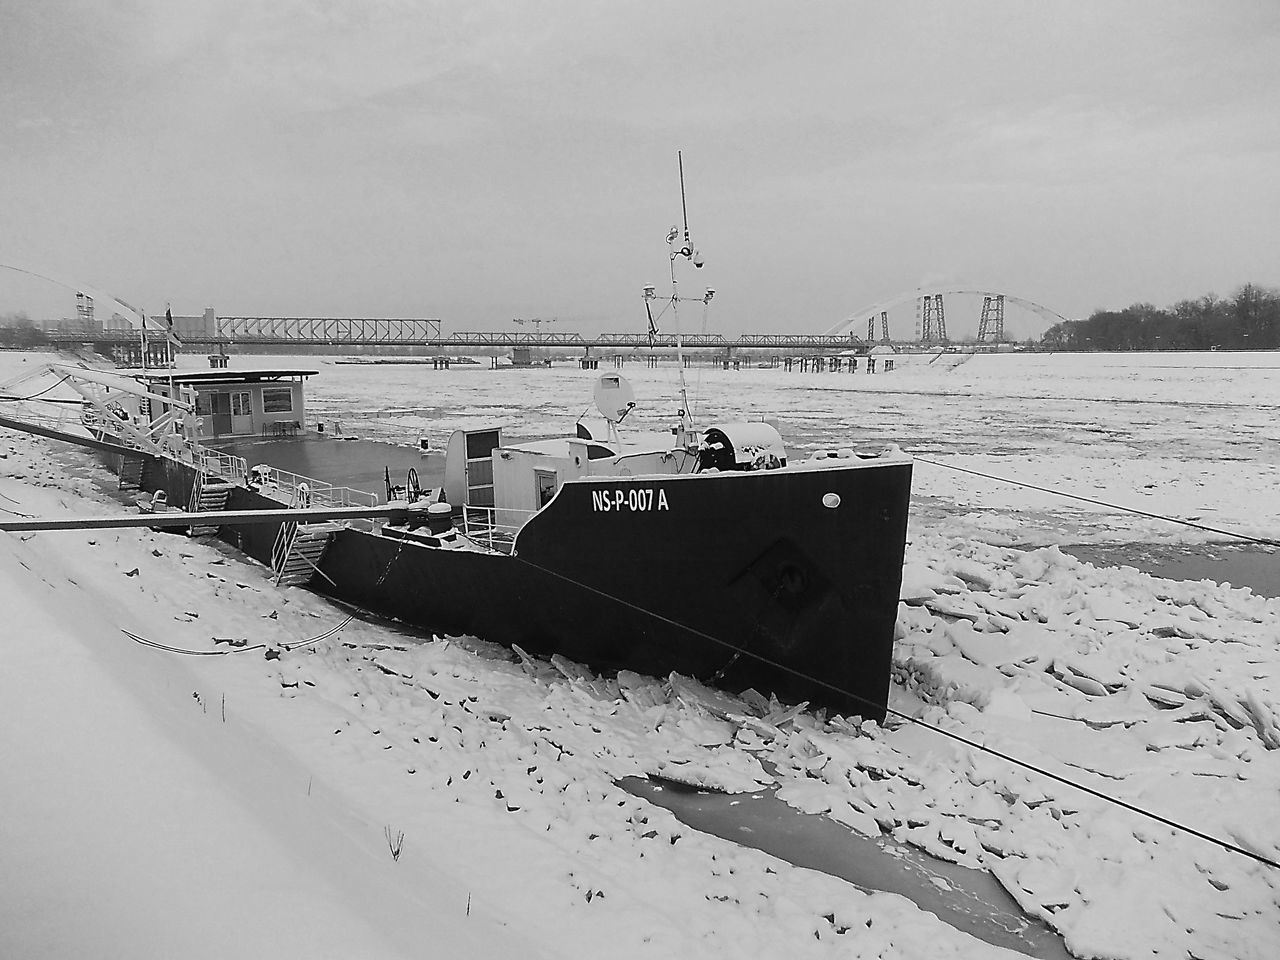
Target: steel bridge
(329,330)
(285,331)
(217,333)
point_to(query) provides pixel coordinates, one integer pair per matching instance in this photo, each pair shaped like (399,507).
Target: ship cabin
(238,403)
(511,482)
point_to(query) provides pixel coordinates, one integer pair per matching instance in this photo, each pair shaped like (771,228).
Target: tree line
(1249,320)
(17,330)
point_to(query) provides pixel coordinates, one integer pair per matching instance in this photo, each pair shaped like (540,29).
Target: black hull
(742,579)
(746,580)
(177,480)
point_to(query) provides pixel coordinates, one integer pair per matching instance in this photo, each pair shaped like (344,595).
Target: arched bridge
(931,314)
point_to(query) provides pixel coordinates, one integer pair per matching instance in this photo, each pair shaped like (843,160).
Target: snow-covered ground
(157,804)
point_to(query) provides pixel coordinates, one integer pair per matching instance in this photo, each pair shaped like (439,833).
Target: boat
(709,552)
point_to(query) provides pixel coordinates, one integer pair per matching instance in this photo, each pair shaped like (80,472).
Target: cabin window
(240,405)
(277,400)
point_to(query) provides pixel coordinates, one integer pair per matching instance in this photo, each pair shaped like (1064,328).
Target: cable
(36,396)
(190,653)
(222,653)
(68,401)
(1225,844)
(1102,503)
(324,636)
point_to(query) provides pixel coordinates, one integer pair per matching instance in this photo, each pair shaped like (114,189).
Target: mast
(686,250)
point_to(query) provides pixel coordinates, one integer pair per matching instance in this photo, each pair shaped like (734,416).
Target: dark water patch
(969,900)
(1241,565)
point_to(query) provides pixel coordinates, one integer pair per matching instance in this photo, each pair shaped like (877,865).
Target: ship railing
(107,428)
(494,527)
(296,490)
(215,463)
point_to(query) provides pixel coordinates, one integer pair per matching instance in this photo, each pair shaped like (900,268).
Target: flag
(653,327)
(169,334)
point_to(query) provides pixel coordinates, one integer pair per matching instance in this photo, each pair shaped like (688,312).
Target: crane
(536,321)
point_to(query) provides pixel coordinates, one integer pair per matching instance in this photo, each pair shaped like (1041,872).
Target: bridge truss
(284,331)
(334,330)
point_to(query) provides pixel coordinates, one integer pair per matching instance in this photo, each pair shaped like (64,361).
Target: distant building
(203,326)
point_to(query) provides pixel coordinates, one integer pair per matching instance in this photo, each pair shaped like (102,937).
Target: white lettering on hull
(630,500)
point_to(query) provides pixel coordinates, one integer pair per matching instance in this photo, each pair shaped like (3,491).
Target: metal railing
(297,490)
(282,547)
(215,463)
(494,527)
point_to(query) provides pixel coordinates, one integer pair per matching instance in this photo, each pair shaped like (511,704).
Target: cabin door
(220,404)
(241,413)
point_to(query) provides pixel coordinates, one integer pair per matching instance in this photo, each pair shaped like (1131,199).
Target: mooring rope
(1264,541)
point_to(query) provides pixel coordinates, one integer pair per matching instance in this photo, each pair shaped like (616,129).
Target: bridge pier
(142,352)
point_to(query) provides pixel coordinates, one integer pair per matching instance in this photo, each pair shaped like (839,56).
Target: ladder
(298,551)
(131,472)
(208,494)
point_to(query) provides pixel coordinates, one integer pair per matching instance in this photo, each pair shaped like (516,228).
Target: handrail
(481,525)
(290,485)
(282,547)
(208,461)
(219,464)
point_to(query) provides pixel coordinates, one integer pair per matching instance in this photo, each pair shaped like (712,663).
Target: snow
(159,804)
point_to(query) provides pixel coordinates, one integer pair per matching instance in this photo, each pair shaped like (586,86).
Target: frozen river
(1190,435)
(1161,692)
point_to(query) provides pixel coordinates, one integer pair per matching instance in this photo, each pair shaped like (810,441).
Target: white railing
(494,527)
(215,463)
(283,546)
(292,489)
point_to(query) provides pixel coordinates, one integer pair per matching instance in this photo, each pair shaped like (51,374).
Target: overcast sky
(480,161)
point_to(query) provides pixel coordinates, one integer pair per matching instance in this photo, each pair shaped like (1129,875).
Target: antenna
(683,208)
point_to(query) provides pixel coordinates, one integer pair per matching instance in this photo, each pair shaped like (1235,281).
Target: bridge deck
(281,336)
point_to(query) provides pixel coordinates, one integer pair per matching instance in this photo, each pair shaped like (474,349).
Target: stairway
(131,473)
(209,494)
(298,560)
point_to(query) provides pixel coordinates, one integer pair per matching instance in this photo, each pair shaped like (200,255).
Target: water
(1241,565)
(969,900)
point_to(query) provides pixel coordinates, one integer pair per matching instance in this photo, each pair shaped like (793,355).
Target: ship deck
(354,463)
